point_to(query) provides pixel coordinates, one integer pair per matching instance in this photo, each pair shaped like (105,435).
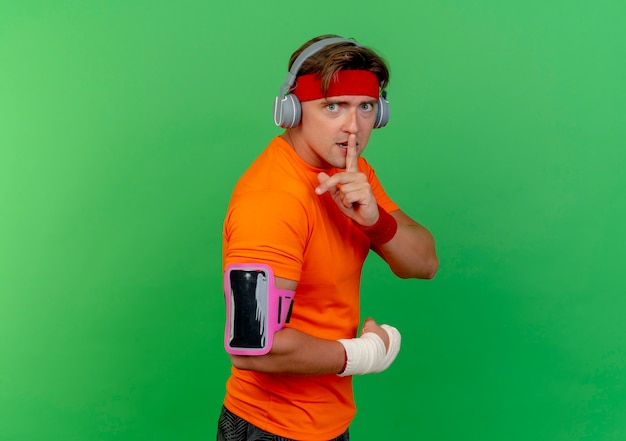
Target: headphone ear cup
(382,113)
(287,111)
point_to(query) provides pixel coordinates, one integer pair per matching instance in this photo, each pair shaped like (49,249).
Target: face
(321,139)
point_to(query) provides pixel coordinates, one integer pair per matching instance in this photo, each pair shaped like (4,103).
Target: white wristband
(367,353)
(363,354)
(395,339)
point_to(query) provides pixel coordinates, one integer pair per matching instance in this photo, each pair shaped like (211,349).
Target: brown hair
(341,56)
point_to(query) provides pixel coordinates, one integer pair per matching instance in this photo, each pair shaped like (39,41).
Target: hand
(370,325)
(373,351)
(351,190)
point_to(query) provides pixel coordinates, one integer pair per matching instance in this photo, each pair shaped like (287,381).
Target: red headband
(343,82)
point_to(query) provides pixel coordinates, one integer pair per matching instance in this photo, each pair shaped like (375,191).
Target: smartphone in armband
(255,309)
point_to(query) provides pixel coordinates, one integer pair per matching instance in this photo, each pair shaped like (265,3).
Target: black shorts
(230,427)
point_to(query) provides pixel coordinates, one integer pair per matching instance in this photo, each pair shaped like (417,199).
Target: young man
(306,213)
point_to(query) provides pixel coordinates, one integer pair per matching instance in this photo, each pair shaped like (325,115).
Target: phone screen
(248,309)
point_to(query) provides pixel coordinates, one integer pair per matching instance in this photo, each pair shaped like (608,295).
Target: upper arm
(282,283)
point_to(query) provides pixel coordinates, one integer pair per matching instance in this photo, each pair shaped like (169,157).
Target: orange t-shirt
(276,218)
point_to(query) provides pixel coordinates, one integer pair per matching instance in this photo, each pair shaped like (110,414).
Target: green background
(125,124)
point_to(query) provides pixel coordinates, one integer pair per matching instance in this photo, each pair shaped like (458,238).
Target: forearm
(296,353)
(411,252)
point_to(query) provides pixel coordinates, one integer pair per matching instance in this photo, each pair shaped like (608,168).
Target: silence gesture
(351,190)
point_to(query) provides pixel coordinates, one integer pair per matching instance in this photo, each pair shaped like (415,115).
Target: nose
(351,122)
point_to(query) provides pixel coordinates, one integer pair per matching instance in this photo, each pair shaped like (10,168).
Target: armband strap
(255,308)
(383,230)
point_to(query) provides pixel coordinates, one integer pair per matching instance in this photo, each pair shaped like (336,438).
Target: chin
(339,164)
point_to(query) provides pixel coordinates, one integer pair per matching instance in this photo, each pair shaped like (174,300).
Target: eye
(333,107)
(367,107)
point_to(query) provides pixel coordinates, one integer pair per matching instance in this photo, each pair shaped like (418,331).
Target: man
(305,214)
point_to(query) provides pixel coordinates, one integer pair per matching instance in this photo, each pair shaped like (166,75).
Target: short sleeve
(269,227)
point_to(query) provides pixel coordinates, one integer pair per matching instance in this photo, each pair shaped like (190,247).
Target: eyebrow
(334,101)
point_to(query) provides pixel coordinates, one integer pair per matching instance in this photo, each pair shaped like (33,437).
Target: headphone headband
(306,53)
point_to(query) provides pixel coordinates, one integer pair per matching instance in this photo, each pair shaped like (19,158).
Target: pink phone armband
(255,308)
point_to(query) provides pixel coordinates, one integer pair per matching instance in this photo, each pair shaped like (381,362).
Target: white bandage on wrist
(367,354)
(394,347)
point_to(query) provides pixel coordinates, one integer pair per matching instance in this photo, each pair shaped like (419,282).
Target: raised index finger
(352,156)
